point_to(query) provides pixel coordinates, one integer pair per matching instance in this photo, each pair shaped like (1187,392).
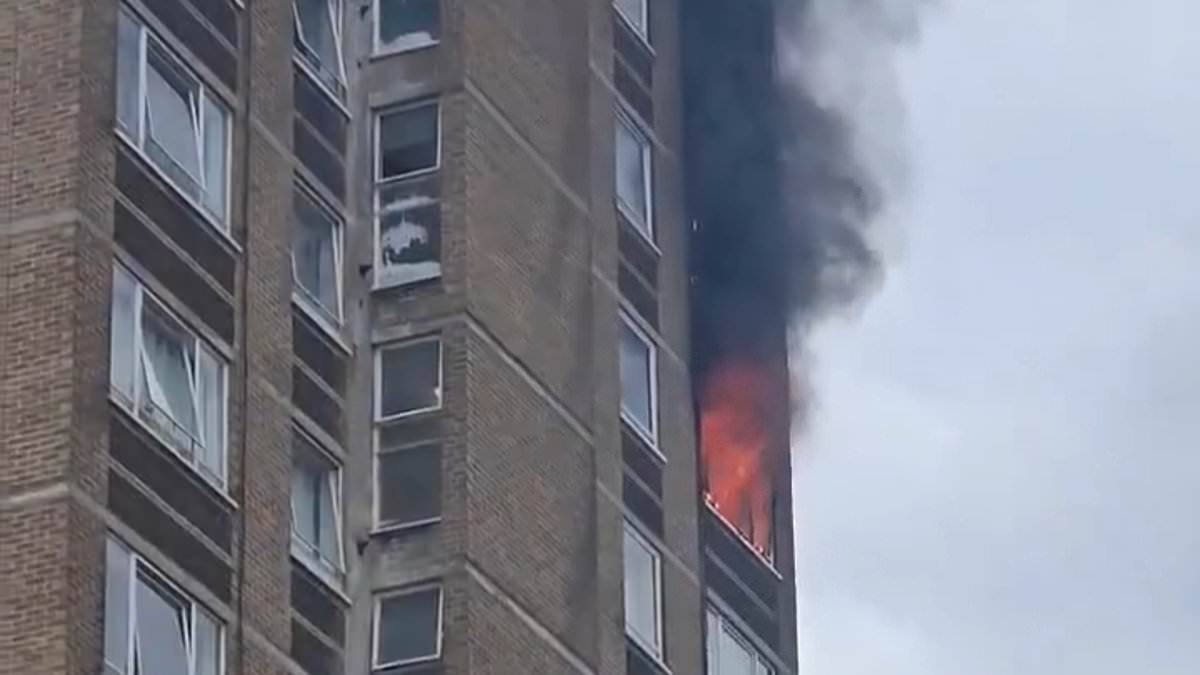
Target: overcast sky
(1003,471)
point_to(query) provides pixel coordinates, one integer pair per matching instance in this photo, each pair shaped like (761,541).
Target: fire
(737,403)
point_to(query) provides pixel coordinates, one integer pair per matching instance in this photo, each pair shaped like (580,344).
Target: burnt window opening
(408,211)
(404,25)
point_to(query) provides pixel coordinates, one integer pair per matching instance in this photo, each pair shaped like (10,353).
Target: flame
(736,406)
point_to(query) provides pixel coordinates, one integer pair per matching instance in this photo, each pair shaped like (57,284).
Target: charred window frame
(318,41)
(189,146)
(407,205)
(636,14)
(643,592)
(316,509)
(729,652)
(639,382)
(405,25)
(634,172)
(151,625)
(318,236)
(168,379)
(407,627)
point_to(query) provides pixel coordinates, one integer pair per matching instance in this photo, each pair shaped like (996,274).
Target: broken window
(407,205)
(150,626)
(316,507)
(318,26)
(317,256)
(168,113)
(643,592)
(729,653)
(401,25)
(633,162)
(636,14)
(638,362)
(167,378)
(408,378)
(408,627)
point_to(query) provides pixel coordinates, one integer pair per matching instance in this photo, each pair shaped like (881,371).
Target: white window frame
(303,295)
(138,566)
(380,183)
(377,48)
(336,10)
(441,382)
(133,403)
(377,523)
(644,226)
(642,31)
(219,221)
(649,435)
(305,551)
(653,647)
(717,624)
(377,612)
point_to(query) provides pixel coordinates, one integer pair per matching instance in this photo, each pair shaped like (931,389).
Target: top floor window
(319,41)
(637,14)
(402,25)
(166,112)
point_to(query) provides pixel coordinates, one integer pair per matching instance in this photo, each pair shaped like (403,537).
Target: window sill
(737,534)
(384,531)
(409,414)
(321,321)
(642,435)
(408,663)
(204,213)
(378,54)
(321,575)
(316,80)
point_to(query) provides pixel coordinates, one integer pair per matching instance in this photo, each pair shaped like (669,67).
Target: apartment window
(407,207)
(316,507)
(729,653)
(408,627)
(636,14)
(150,626)
(633,176)
(167,378)
(408,483)
(408,378)
(401,25)
(317,256)
(639,385)
(643,593)
(318,26)
(168,113)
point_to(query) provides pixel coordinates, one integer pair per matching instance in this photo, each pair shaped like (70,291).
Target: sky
(1002,470)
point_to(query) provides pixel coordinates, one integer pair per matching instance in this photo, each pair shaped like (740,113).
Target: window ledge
(631,221)
(320,575)
(397,529)
(378,54)
(642,435)
(321,322)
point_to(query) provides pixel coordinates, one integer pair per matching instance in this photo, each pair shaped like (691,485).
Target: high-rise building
(358,337)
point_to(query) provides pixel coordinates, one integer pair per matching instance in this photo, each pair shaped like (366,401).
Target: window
(408,378)
(319,41)
(408,484)
(167,378)
(731,654)
(316,507)
(639,386)
(408,627)
(633,176)
(407,208)
(643,593)
(150,626)
(317,256)
(168,113)
(636,14)
(401,25)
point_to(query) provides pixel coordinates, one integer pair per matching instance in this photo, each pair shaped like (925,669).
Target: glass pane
(168,364)
(409,236)
(171,119)
(327,519)
(208,645)
(735,658)
(410,485)
(121,342)
(160,631)
(408,24)
(641,592)
(408,141)
(215,157)
(314,254)
(116,607)
(128,59)
(316,29)
(411,378)
(304,501)
(712,639)
(408,627)
(631,174)
(635,379)
(210,393)
(635,12)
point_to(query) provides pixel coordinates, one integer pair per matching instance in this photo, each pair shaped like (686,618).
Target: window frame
(301,294)
(377,406)
(336,10)
(642,32)
(644,226)
(138,569)
(378,525)
(726,628)
(133,402)
(304,551)
(656,648)
(221,222)
(650,436)
(376,45)
(377,612)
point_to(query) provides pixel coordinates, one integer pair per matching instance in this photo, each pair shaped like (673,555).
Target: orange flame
(736,412)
